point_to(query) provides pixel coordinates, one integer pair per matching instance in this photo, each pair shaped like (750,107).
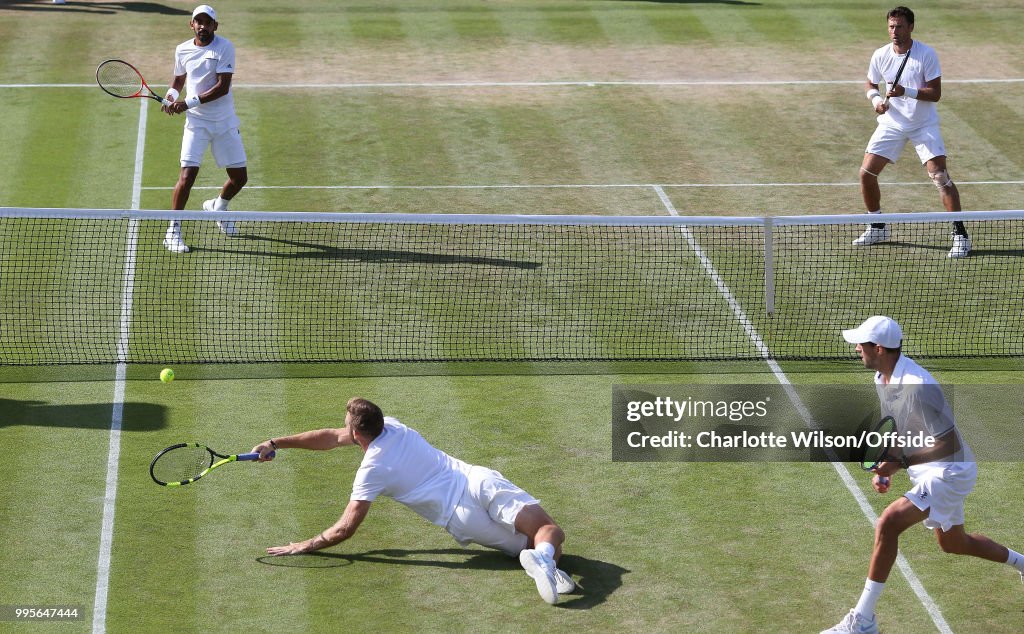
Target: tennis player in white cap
(204,66)
(941,476)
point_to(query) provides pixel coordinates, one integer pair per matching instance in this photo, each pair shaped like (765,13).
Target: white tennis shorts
(225,141)
(889,142)
(486,514)
(942,491)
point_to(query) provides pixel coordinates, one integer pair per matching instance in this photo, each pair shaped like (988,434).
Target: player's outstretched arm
(344,528)
(317,439)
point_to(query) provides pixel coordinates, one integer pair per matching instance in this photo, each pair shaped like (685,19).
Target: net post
(769,268)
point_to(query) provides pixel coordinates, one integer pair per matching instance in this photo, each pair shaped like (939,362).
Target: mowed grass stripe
(983,131)
(234,504)
(479,26)
(384,24)
(75,153)
(53,469)
(154,562)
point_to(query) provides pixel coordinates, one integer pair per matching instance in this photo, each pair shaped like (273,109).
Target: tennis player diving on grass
(204,66)
(474,504)
(907,112)
(941,476)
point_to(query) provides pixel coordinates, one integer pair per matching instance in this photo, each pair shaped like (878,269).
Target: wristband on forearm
(172,94)
(874,96)
(192,102)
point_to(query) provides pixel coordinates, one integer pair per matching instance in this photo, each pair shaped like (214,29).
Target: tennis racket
(874,456)
(185,463)
(119,78)
(899,73)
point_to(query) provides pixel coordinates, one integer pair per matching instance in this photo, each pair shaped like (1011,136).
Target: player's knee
(867,176)
(186,179)
(941,179)
(889,526)
(238,177)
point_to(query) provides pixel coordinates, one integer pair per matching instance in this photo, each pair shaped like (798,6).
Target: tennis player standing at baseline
(204,66)
(474,504)
(941,476)
(907,113)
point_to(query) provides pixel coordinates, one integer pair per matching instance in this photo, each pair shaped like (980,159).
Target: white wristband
(871,94)
(877,99)
(910,92)
(192,102)
(172,94)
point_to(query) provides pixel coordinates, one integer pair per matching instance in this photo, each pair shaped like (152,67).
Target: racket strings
(181,464)
(119,79)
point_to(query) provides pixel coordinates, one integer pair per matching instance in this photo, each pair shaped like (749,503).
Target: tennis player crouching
(474,504)
(941,476)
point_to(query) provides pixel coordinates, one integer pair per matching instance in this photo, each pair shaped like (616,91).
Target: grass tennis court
(505,106)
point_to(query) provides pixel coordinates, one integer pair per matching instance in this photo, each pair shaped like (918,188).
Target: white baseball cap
(879,330)
(204,8)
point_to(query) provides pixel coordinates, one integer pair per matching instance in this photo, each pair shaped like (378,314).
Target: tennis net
(82,286)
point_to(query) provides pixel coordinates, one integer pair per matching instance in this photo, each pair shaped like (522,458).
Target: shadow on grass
(135,416)
(975,252)
(595,580)
(99,8)
(326,252)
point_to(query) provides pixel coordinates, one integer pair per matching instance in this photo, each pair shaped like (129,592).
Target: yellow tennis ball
(167,375)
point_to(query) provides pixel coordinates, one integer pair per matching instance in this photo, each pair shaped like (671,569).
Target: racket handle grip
(255,455)
(882,480)
(167,103)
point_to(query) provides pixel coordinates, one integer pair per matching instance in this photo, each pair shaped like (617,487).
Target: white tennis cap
(204,8)
(879,330)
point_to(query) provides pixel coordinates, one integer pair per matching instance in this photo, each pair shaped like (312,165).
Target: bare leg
(534,522)
(183,188)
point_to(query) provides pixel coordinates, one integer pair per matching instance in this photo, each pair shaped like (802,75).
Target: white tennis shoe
(542,569)
(873,235)
(227,227)
(564,583)
(173,241)
(854,624)
(961,247)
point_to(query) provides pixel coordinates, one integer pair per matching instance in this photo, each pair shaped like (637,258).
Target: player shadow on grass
(135,416)
(99,8)
(327,252)
(976,252)
(595,580)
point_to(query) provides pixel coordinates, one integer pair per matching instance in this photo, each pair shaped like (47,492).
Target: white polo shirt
(923,66)
(401,465)
(200,65)
(915,400)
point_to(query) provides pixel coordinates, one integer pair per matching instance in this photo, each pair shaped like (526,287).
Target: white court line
(543,84)
(851,485)
(587,185)
(99,616)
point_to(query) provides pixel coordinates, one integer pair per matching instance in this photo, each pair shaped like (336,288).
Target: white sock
(869,598)
(546,549)
(220,204)
(1016,560)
